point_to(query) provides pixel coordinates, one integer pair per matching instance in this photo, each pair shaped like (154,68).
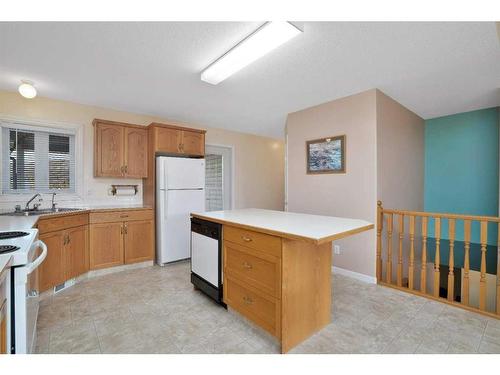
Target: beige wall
(352,194)
(400,155)
(384,160)
(258,161)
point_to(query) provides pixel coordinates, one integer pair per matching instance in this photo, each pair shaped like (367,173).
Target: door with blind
(35,159)
(218,178)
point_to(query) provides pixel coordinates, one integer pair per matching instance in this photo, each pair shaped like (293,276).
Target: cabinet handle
(123,215)
(126,229)
(246,239)
(121,229)
(247,265)
(247,300)
(126,169)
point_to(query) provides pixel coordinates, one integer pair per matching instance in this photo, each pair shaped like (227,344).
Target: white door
(184,173)
(176,228)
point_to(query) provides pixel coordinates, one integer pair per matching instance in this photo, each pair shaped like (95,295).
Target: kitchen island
(277,268)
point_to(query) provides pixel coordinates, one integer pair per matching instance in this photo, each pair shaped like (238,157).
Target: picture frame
(326,155)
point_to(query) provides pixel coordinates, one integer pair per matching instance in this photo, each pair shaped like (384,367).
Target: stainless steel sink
(44,211)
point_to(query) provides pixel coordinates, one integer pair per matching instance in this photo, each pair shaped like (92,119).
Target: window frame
(54,127)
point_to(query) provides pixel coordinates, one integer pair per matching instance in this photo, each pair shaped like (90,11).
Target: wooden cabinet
(136,152)
(121,237)
(106,245)
(76,251)
(52,269)
(120,150)
(3,327)
(164,139)
(177,140)
(252,276)
(67,242)
(3,310)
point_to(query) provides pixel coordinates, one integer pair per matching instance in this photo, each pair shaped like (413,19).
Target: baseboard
(125,267)
(354,275)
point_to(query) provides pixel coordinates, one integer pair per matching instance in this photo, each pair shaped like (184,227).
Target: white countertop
(315,228)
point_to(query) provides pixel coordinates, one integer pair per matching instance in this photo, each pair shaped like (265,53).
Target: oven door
(27,300)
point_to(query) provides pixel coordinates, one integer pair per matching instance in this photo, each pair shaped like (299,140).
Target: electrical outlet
(336,249)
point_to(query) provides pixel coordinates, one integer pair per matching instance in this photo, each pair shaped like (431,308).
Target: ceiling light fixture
(27,89)
(266,38)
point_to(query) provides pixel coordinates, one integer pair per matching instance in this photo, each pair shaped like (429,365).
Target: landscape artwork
(326,155)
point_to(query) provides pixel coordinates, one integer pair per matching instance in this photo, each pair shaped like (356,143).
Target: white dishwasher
(206,258)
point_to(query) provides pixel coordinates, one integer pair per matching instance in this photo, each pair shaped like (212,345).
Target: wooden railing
(412,259)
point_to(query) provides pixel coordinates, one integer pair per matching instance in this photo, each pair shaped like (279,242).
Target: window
(36,159)
(213,182)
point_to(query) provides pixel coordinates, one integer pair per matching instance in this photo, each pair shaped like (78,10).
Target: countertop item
(312,228)
(26,222)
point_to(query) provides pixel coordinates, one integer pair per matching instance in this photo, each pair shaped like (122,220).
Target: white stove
(24,247)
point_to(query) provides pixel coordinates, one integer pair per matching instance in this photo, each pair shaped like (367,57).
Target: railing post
(451,263)
(412,253)
(437,258)
(465,294)
(380,224)
(482,281)
(423,271)
(388,274)
(400,253)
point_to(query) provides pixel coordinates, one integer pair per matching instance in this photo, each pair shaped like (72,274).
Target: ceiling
(434,69)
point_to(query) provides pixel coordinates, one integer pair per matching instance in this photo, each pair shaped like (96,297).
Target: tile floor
(156,310)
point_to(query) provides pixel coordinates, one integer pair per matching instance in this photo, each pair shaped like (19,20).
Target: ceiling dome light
(27,89)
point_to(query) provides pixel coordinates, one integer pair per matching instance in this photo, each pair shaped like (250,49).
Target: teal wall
(461,167)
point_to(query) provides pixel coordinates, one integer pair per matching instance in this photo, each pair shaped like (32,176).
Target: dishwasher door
(206,258)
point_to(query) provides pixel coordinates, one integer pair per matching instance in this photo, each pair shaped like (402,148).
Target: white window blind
(213,183)
(37,161)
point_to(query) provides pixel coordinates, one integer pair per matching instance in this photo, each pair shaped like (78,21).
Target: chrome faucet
(54,204)
(35,206)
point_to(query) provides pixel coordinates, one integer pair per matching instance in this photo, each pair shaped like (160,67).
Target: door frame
(231,148)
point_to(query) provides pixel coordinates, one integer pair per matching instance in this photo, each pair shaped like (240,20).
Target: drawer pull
(122,216)
(248,300)
(247,265)
(246,239)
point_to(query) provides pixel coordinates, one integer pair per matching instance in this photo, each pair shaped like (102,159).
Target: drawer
(256,306)
(252,267)
(255,240)
(46,225)
(121,215)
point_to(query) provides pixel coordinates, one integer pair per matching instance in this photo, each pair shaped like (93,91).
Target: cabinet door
(106,245)
(109,153)
(52,268)
(3,327)
(168,140)
(193,143)
(136,152)
(76,251)
(139,241)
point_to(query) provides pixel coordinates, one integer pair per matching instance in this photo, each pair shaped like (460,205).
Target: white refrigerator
(180,190)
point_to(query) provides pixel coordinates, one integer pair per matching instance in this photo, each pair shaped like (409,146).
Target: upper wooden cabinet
(172,139)
(120,150)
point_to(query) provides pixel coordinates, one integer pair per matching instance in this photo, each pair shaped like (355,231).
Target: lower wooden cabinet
(138,241)
(67,256)
(106,245)
(120,237)
(51,271)
(3,327)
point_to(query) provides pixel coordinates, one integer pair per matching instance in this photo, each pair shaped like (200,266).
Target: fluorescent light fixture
(27,89)
(266,38)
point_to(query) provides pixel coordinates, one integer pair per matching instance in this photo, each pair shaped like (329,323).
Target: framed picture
(326,155)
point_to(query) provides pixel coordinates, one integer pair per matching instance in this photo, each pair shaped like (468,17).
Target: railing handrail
(442,215)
